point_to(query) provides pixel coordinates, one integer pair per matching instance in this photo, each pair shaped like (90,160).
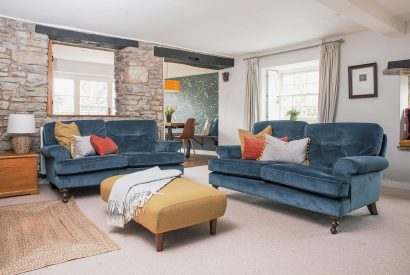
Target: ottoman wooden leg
(212,226)
(159,241)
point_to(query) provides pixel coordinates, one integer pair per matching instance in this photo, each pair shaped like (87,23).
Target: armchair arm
(165,146)
(58,152)
(359,165)
(229,151)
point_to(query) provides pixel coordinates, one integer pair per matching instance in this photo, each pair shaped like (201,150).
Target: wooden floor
(197,160)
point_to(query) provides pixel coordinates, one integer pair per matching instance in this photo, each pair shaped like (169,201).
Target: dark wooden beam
(86,38)
(194,59)
(399,64)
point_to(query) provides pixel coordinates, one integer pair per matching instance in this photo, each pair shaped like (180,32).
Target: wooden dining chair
(187,134)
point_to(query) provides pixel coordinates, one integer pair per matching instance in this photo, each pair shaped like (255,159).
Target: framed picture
(363,81)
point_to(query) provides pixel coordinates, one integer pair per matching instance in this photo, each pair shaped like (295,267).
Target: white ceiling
(224,27)
(83,54)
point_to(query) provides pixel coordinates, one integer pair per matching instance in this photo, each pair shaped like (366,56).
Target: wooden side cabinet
(18,174)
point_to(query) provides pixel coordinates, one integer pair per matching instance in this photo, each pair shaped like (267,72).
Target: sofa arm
(359,165)
(229,151)
(58,152)
(166,146)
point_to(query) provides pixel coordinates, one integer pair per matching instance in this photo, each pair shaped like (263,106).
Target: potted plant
(293,114)
(169,110)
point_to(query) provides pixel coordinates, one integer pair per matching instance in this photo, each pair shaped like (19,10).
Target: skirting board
(205,152)
(396,184)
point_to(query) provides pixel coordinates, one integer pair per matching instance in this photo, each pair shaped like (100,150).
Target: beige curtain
(328,81)
(252,93)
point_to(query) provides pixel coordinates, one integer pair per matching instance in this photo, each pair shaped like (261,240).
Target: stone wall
(139,83)
(23,80)
(23,74)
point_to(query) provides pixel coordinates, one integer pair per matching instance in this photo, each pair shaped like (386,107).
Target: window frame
(278,88)
(85,77)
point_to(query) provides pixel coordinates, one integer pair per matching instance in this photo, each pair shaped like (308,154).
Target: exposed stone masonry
(23,79)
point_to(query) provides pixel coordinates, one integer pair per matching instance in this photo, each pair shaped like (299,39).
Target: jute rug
(36,235)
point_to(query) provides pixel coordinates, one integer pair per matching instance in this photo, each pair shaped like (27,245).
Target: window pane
(94,97)
(63,86)
(63,104)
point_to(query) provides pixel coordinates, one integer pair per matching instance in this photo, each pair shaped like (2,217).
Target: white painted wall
(78,67)
(358,48)
(172,70)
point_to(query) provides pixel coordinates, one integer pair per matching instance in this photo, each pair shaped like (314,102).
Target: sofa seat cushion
(315,179)
(240,167)
(90,164)
(136,159)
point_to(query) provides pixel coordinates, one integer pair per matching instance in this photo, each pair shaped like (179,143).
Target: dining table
(177,125)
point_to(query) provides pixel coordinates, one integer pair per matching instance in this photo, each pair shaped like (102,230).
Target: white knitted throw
(131,192)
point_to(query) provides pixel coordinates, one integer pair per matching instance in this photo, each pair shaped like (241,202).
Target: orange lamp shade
(172,85)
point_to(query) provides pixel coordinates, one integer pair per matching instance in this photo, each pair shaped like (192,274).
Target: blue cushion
(86,127)
(282,128)
(133,135)
(283,194)
(240,167)
(153,158)
(90,164)
(314,179)
(214,127)
(332,141)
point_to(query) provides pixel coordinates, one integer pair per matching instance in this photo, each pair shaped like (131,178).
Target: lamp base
(21,144)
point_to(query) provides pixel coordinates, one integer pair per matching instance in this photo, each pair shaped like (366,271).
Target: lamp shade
(172,85)
(21,124)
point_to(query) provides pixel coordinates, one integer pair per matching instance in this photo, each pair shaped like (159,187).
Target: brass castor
(335,223)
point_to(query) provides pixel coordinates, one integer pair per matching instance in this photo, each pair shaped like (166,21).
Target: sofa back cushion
(86,127)
(282,128)
(133,135)
(331,141)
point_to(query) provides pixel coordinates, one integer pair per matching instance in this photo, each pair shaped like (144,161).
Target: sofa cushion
(318,180)
(332,141)
(133,135)
(282,128)
(86,127)
(90,164)
(153,158)
(240,167)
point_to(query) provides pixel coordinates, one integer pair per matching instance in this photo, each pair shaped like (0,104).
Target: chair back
(189,129)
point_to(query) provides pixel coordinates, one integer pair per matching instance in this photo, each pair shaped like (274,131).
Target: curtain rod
(294,50)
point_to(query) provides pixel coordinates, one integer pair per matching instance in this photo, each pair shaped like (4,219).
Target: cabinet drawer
(18,176)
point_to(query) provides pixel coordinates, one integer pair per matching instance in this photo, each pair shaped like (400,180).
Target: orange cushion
(253,148)
(260,135)
(104,146)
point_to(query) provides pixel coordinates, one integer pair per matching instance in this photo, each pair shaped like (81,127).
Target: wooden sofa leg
(159,241)
(64,192)
(372,209)
(212,226)
(215,186)
(335,224)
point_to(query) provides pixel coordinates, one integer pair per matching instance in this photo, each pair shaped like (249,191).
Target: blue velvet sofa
(345,172)
(138,144)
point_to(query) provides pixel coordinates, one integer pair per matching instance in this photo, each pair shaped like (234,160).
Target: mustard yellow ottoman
(182,203)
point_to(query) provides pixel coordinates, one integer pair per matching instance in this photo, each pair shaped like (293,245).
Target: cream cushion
(288,152)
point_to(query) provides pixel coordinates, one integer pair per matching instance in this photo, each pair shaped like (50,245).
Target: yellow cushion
(182,203)
(260,135)
(63,133)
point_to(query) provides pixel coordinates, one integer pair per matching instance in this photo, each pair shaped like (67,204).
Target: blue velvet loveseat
(345,172)
(138,144)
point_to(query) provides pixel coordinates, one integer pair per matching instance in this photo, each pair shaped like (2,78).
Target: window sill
(52,115)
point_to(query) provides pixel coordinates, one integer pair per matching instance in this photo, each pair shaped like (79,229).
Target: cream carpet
(255,236)
(38,234)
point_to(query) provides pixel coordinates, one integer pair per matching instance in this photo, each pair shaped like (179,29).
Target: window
(76,94)
(293,86)
(82,81)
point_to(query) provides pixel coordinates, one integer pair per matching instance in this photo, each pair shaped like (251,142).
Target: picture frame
(363,81)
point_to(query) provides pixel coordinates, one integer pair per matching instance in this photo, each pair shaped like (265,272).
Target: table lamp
(19,126)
